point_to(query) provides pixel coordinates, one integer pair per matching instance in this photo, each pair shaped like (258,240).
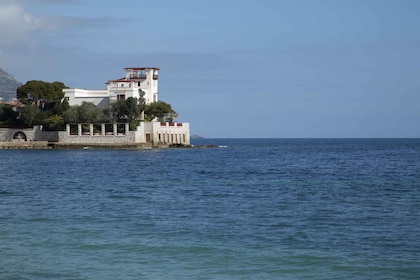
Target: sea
(231,209)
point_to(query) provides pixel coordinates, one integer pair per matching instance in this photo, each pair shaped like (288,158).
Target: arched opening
(20,136)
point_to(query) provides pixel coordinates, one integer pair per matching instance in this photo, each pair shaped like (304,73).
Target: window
(19,136)
(121,97)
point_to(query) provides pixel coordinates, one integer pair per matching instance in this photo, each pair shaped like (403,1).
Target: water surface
(249,209)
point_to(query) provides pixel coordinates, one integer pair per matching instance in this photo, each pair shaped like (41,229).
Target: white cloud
(16,24)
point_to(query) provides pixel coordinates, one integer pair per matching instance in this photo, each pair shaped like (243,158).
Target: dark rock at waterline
(192,146)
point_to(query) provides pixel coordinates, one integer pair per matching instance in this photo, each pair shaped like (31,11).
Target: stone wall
(21,134)
(155,133)
(24,145)
(27,134)
(89,135)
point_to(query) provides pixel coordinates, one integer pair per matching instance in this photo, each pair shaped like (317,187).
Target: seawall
(25,145)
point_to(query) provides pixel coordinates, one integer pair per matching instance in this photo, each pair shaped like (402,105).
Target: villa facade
(135,81)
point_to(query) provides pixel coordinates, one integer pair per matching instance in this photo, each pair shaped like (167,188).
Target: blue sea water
(248,209)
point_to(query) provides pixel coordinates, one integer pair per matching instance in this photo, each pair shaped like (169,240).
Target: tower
(136,79)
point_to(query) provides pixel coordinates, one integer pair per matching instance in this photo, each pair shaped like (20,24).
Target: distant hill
(195,136)
(8,86)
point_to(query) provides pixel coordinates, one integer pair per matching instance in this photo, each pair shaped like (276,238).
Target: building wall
(77,96)
(149,83)
(65,138)
(140,133)
(169,133)
(127,87)
(6,134)
(155,133)
(29,134)
(147,132)
(150,86)
(91,136)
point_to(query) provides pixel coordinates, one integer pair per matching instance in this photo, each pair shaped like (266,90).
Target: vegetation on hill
(43,103)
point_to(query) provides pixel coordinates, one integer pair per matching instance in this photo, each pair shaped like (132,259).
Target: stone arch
(20,136)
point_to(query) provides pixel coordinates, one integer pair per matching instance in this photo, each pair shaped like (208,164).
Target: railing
(137,76)
(170,124)
(97,129)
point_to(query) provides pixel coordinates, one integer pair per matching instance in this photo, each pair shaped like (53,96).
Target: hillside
(8,86)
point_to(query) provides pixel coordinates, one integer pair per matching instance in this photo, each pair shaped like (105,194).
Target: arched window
(20,136)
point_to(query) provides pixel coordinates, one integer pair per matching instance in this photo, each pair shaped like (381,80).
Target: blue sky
(236,68)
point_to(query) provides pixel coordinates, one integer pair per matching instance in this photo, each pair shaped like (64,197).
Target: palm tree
(54,122)
(171,116)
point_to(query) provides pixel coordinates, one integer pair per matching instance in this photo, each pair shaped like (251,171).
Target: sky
(236,68)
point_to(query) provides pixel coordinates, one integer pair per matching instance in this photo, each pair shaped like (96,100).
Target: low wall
(20,134)
(27,134)
(156,133)
(147,132)
(64,137)
(87,134)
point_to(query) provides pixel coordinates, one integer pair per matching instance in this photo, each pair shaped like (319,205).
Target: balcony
(138,76)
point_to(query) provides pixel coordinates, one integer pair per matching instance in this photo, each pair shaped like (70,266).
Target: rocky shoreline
(24,145)
(56,145)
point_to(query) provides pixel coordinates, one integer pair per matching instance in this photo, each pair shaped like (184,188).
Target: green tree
(127,111)
(40,92)
(64,105)
(28,115)
(85,113)
(56,107)
(159,110)
(89,113)
(47,97)
(54,122)
(71,115)
(41,118)
(171,116)
(142,101)
(8,114)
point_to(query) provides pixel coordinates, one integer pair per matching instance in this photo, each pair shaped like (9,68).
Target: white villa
(136,79)
(148,134)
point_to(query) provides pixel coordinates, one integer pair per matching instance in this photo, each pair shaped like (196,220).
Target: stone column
(102,129)
(127,128)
